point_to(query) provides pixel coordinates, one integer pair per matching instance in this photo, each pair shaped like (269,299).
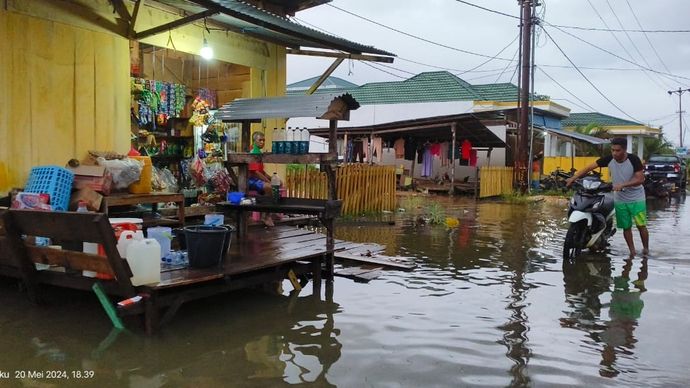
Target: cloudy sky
(633,92)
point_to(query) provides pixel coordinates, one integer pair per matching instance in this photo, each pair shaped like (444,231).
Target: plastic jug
(126,237)
(163,235)
(144,258)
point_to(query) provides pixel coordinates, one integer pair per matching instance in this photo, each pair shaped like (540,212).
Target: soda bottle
(275,187)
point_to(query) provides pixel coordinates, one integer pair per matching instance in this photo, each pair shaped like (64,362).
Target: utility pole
(680,92)
(521,156)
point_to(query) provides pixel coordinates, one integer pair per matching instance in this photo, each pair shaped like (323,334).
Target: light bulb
(206,51)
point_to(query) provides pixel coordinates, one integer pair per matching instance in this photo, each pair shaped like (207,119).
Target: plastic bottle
(304,141)
(88,247)
(275,187)
(290,141)
(280,139)
(274,142)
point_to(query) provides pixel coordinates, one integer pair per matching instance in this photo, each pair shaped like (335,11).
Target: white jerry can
(144,258)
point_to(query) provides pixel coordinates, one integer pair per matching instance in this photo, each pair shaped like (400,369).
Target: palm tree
(591,129)
(657,145)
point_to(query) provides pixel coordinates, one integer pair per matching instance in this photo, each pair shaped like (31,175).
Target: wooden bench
(159,302)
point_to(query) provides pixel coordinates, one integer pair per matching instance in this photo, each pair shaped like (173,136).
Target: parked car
(670,168)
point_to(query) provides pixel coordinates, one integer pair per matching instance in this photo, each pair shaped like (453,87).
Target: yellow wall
(65,90)
(566,162)
(64,78)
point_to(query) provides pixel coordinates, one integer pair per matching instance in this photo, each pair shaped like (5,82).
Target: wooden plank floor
(260,249)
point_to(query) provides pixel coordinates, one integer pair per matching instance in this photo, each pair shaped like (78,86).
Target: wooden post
(453,130)
(332,195)
(17,250)
(244,144)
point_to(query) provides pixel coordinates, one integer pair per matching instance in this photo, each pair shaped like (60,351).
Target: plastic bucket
(207,245)
(235,197)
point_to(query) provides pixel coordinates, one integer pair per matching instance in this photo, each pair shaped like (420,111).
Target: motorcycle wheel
(571,245)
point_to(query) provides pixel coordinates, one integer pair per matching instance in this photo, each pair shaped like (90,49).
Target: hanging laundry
(399,147)
(436,149)
(410,149)
(466,149)
(427,163)
(445,161)
(377,149)
(473,158)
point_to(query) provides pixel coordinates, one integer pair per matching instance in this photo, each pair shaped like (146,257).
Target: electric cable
(647,37)
(612,53)
(566,89)
(415,36)
(492,58)
(644,59)
(488,9)
(587,79)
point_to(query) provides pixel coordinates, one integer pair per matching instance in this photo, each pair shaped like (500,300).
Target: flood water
(489,304)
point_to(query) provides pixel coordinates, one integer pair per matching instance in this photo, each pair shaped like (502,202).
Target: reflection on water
(490,304)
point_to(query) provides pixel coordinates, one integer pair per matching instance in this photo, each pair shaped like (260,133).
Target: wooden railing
(495,181)
(361,187)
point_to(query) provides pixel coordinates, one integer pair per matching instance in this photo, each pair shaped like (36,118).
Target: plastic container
(143,185)
(144,258)
(163,235)
(54,181)
(235,197)
(214,219)
(207,245)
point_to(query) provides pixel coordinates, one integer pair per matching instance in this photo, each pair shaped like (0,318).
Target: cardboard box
(92,198)
(93,177)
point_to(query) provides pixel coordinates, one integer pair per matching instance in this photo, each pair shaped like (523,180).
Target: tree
(595,130)
(657,145)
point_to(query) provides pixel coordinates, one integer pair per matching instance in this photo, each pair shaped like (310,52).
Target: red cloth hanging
(473,158)
(466,149)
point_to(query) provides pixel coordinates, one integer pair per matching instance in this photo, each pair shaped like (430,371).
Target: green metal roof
(584,119)
(435,86)
(424,87)
(330,85)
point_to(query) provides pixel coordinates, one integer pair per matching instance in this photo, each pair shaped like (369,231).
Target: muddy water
(490,304)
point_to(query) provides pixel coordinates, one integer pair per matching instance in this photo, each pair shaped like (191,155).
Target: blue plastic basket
(54,181)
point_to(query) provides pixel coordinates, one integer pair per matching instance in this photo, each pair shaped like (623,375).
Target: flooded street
(490,304)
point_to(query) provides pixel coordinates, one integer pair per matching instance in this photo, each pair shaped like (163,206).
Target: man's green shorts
(627,212)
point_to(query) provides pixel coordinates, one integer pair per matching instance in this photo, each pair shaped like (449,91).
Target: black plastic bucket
(207,245)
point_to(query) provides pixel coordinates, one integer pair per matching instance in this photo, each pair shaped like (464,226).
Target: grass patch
(437,214)
(410,203)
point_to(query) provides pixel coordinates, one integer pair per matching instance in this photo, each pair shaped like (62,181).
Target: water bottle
(280,139)
(274,143)
(88,247)
(290,141)
(304,141)
(275,187)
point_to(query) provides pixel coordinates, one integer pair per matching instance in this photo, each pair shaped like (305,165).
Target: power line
(647,37)
(492,58)
(507,65)
(301,21)
(585,77)
(641,30)
(566,89)
(382,70)
(415,36)
(621,30)
(612,53)
(487,9)
(644,59)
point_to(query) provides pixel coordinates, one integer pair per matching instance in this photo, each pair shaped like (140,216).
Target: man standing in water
(629,198)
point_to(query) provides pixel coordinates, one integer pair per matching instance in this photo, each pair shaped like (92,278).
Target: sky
(625,90)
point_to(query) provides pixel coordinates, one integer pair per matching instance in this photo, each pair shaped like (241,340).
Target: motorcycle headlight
(591,184)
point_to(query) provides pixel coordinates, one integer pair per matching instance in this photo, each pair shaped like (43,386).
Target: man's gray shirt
(621,173)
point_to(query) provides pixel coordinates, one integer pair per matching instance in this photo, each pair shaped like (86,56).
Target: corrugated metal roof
(261,24)
(255,109)
(578,136)
(584,119)
(468,126)
(330,85)
(433,86)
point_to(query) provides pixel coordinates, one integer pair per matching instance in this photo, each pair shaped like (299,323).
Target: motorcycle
(658,187)
(590,214)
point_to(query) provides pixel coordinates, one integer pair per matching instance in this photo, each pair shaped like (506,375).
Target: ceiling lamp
(206,51)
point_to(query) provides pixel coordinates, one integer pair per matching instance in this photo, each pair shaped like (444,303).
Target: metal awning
(332,106)
(577,136)
(258,23)
(468,126)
